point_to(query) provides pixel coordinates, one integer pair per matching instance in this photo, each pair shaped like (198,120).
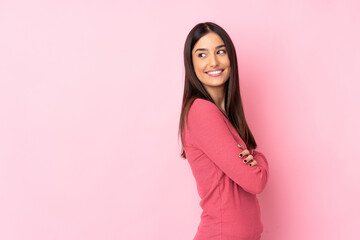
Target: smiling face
(211,61)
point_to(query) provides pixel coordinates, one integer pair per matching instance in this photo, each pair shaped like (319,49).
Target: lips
(215,73)
(214,70)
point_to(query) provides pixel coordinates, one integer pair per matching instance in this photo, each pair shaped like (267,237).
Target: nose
(213,60)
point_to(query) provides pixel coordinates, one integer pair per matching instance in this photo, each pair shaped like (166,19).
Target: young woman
(217,141)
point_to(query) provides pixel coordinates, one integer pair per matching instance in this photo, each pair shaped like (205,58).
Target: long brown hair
(193,88)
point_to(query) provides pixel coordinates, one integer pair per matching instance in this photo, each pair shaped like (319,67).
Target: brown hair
(193,88)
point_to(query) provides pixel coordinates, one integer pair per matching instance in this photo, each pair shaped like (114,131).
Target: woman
(217,141)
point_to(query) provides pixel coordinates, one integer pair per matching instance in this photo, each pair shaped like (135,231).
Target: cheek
(227,62)
(199,67)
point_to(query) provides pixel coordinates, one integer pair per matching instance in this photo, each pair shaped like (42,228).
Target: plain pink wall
(90,96)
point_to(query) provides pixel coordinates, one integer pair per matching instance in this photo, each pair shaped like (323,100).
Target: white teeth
(215,72)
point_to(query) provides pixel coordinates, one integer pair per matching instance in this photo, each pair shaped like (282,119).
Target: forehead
(209,41)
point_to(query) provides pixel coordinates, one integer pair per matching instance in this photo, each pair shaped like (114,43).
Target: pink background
(90,95)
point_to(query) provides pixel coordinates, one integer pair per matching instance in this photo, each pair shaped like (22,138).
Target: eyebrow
(204,49)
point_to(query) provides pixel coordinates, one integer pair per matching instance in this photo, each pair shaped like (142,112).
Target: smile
(215,73)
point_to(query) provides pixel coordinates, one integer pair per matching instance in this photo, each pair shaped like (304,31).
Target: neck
(218,95)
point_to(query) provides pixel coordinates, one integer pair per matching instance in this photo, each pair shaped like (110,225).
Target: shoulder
(204,111)
(201,105)
(203,117)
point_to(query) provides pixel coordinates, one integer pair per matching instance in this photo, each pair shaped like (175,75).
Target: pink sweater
(226,185)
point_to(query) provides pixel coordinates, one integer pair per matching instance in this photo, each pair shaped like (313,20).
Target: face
(211,60)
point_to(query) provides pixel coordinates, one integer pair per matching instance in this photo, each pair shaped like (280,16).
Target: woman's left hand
(249,158)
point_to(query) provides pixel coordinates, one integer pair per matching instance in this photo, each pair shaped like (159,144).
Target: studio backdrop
(90,99)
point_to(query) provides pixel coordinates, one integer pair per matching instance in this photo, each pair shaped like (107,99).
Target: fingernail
(250,165)
(245,161)
(241,155)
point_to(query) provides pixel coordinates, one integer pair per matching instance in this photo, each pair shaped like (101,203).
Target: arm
(211,134)
(261,160)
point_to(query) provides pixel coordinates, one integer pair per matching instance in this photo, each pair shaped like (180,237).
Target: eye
(199,55)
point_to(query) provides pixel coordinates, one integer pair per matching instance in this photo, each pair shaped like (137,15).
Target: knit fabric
(226,185)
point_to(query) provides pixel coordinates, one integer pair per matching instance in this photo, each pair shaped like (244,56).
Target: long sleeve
(261,159)
(208,129)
